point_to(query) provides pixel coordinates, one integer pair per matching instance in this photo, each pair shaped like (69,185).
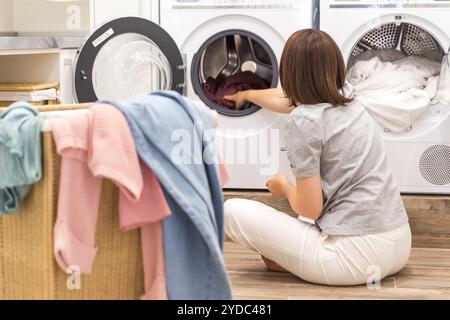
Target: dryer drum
(228,56)
(407,38)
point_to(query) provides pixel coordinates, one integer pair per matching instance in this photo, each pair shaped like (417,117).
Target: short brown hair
(312,69)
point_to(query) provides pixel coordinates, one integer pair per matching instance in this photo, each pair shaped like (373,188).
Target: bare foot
(273,266)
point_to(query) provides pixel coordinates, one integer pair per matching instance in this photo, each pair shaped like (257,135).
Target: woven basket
(5,104)
(57,107)
(23,86)
(27,267)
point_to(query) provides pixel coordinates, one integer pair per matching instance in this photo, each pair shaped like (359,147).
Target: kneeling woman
(352,224)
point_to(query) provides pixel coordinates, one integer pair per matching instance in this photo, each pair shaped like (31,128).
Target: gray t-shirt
(345,146)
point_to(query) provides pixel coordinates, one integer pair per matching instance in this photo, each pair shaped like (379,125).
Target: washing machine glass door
(127,57)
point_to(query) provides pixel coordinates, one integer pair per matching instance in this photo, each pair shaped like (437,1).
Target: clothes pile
(396,92)
(216,90)
(174,199)
(169,188)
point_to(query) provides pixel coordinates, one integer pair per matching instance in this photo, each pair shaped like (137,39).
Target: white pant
(303,250)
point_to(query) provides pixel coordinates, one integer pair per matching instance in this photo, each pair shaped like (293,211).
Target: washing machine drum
(400,39)
(127,57)
(231,61)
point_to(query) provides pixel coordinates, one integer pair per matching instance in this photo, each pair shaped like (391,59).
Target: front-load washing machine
(199,41)
(219,38)
(420,156)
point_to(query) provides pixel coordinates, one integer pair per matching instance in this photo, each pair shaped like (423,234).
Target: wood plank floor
(427,276)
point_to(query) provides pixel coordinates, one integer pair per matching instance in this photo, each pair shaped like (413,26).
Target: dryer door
(127,57)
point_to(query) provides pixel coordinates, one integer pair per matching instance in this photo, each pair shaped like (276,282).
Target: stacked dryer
(419,156)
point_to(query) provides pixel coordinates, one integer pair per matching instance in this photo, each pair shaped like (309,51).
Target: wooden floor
(427,276)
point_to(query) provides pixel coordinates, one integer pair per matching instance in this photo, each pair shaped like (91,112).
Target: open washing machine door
(127,57)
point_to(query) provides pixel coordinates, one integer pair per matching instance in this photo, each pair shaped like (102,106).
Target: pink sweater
(95,145)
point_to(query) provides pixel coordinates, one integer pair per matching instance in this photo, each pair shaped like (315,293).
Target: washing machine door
(127,57)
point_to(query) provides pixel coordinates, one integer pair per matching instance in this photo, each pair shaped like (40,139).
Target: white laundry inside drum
(395,71)
(130,65)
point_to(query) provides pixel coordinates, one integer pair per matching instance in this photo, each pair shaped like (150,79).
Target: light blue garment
(193,235)
(20,154)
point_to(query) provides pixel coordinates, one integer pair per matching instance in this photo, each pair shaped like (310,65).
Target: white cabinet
(66,75)
(40,66)
(68,17)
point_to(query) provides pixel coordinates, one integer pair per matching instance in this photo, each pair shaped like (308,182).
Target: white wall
(6,16)
(43,17)
(46,17)
(106,10)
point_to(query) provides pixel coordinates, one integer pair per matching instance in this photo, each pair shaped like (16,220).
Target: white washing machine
(420,156)
(199,40)
(222,37)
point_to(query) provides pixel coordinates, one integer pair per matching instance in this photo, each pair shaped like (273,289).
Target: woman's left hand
(276,186)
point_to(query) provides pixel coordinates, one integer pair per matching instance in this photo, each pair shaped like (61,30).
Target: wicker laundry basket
(27,267)
(28,87)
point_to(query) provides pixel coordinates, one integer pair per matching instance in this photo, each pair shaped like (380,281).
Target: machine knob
(83,75)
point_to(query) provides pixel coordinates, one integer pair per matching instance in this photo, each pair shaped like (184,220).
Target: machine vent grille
(435,165)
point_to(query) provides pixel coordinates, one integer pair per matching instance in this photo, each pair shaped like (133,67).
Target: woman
(352,227)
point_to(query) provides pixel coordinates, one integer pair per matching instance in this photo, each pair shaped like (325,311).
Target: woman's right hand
(239,99)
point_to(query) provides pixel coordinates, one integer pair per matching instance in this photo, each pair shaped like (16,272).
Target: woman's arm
(306,199)
(272,99)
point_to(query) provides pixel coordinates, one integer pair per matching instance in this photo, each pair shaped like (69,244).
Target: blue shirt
(173,137)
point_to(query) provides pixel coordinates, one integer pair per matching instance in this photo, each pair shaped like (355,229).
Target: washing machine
(420,156)
(219,38)
(199,41)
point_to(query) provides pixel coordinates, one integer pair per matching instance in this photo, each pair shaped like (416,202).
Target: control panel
(233,4)
(381,2)
(388,4)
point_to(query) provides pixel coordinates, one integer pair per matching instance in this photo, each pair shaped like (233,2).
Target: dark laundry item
(216,90)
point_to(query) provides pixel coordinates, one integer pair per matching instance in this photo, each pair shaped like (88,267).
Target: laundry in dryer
(216,90)
(390,55)
(395,93)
